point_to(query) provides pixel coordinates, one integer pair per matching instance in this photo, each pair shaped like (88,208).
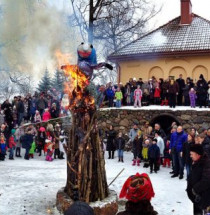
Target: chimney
(186,12)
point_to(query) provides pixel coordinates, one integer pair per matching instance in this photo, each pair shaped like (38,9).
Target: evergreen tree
(58,80)
(45,83)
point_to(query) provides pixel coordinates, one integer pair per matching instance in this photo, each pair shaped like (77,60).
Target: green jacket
(118,95)
(32,149)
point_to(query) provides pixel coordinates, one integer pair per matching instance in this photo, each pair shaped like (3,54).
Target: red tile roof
(169,39)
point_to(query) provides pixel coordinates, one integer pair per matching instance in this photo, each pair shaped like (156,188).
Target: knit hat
(137,187)
(197,148)
(79,208)
(201,76)
(13,131)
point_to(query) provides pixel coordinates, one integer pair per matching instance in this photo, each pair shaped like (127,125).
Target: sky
(171,9)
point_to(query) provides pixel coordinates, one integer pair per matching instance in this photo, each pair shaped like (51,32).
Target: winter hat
(13,131)
(154,140)
(137,187)
(197,148)
(201,76)
(79,208)
(42,129)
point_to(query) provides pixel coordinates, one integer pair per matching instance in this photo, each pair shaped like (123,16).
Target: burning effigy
(86,175)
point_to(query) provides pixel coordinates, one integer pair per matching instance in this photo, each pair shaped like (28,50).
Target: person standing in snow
(137,149)
(62,144)
(154,156)
(178,138)
(12,144)
(172,89)
(27,141)
(193,97)
(137,97)
(118,97)
(161,145)
(202,91)
(120,145)
(111,135)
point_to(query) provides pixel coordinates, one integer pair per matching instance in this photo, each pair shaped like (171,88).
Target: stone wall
(123,120)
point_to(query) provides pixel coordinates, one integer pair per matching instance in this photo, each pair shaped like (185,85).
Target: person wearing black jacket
(153,155)
(111,135)
(120,145)
(202,91)
(20,110)
(181,84)
(198,182)
(206,143)
(27,141)
(186,154)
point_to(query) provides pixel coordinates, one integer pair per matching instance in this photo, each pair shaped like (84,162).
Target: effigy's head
(84,50)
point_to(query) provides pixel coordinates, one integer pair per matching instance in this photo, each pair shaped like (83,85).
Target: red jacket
(12,142)
(157,93)
(46,116)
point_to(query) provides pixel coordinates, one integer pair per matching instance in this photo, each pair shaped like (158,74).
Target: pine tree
(58,80)
(45,83)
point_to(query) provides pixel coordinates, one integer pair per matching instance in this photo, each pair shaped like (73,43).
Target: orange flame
(75,85)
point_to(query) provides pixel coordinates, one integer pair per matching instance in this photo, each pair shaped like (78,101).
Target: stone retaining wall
(123,120)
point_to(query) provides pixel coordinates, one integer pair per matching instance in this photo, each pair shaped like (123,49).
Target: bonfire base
(108,206)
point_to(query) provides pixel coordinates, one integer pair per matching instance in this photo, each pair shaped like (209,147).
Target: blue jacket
(92,59)
(153,152)
(177,141)
(27,141)
(110,93)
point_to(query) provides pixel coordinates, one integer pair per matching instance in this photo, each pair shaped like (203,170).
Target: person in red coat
(138,190)
(12,144)
(46,115)
(157,95)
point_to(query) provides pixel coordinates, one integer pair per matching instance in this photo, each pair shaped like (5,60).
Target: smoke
(30,35)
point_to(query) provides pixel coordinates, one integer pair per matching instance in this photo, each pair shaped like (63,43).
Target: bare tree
(116,21)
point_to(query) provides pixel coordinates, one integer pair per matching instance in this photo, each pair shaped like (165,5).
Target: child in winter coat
(193,97)
(12,144)
(32,150)
(41,140)
(145,149)
(120,145)
(137,97)
(154,155)
(2,147)
(50,150)
(37,117)
(46,115)
(157,95)
(27,141)
(167,157)
(136,149)
(62,144)
(118,97)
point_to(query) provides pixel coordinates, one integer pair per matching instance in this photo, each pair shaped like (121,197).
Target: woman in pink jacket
(46,115)
(137,97)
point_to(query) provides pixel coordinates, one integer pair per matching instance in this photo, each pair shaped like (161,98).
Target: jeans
(178,163)
(11,152)
(118,103)
(188,169)
(120,153)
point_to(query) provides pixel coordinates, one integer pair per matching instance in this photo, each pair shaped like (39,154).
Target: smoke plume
(30,34)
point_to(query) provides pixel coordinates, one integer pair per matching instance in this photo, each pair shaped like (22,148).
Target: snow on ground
(159,107)
(30,187)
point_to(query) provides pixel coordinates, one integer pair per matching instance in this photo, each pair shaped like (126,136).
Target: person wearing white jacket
(160,144)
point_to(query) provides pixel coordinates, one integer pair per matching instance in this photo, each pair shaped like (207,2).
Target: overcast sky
(170,10)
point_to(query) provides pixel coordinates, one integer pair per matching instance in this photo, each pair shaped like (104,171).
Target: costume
(87,60)
(50,150)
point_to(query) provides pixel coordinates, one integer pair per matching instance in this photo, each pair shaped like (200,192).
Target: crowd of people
(177,150)
(158,92)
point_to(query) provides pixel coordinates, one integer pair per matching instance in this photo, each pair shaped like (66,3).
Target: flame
(75,85)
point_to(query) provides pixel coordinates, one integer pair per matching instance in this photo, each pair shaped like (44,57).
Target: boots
(122,160)
(134,163)
(166,102)
(138,162)
(164,163)
(162,103)
(112,154)
(109,154)
(119,159)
